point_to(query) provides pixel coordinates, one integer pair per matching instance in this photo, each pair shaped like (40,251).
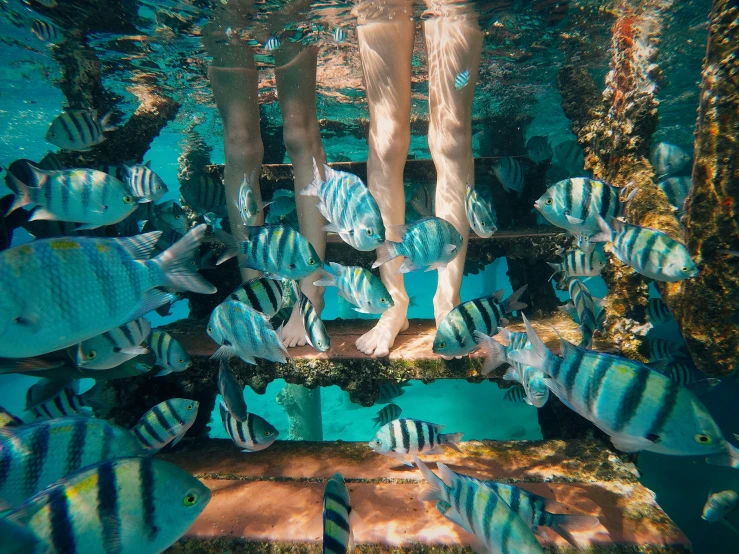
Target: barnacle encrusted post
(303,408)
(707,307)
(617,141)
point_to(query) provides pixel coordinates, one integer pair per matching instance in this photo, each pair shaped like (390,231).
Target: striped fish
(401,437)
(660,349)
(78,130)
(515,394)
(390,390)
(282,203)
(315,331)
(538,149)
(51,161)
(575,204)
(128,505)
(532,509)
(65,403)
(584,310)
(454,335)
(640,409)
(337,534)
(86,196)
(650,252)
(8,420)
(352,212)
(114,347)
(658,312)
(676,190)
(252,435)
(429,243)
(261,294)
(275,250)
(272,44)
(387,414)
(682,371)
(169,217)
(422,201)
(204,194)
(247,204)
(243,332)
(667,159)
(143,182)
(478,510)
(47,32)
(462,79)
(719,505)
(171,355)
(359,286)
(339,34)
(40,453)
(583,242)
(232,392)
(480,213)
(570,156)
(165,423)
(510,174)
(577,263)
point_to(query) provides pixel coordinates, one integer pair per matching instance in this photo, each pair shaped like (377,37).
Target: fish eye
(189,407)
(177,217)
(267,433)
(383,300)
(52,134)
(311,261)
(549,202)
(180,360)
(210,329)
(91,355)
(368,231)
(127,199)
(190,499)
(442,344)
(700,438)
(686,269)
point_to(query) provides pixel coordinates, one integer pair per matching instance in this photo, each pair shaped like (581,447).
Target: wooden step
(271,501)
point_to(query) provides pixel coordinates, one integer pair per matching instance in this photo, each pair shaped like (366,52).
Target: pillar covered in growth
(707,307)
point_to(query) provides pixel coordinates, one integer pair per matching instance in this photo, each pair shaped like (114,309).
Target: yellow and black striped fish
(48,32)
(78,130)
(387,414)
(165,423)
(261,294)
(337,533)
(171,355)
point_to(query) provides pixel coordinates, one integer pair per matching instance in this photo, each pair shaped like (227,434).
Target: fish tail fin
(605,234)
(105,123)
(451,440)
(230,243)
(175,263)
(539,356)
(21,191)
(564,524)
(315,185)
(494,353)
(385,252)
(511,304)
(436,487)
(556,267)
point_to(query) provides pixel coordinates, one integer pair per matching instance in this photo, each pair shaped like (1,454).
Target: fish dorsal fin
(568,349)
(140,247)
(498,295)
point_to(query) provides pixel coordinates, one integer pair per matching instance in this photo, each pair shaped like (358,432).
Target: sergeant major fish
(143,182)
(339,35)
(570,156)
(480,213)
(462,79)
(66,402)
(78,130)
(252,435)
(337,534)
(658,312)
(60,292)
(165,423)
(47,32)
(668,158)
(516,395)
(232,392)
(247,204)
(538,149)
(114,347)
(171,355)
(346,202)
(359,286)
(511,174)
(315,330)
(261,294)
(584,310)
(387,414)
(429,243)
(390,390)
(577,263)
(205,194)
(403,437)
(719,505)
(676,190)
(640,409)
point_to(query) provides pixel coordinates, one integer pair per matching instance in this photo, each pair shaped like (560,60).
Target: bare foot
(381,338)
(443,304)
(293,332)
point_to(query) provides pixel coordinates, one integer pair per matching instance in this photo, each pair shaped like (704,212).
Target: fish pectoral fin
(177,439)
(162,372)
(450,248)
(438,449)
(407,266)
(361,310)
(626,443)
(87,226)
(331,228)
(30,321)
(573,220)
(225,352)
(134,350)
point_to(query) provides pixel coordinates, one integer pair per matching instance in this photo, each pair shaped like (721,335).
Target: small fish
(422,201)
(204,194)
(660,349)
(510,174)
(454,335)
(387,414)
(479,510)
(114,347)
(85,196)
(275,250)
(390,390)
(650,252)
(47,32)
(282,203)
(538,149)
(516,394)
(165,423)
(261,294)
(667,159)
(243,332)
(584,310)
(676,189)
(253,435)
(346,202)
(719,505)
(480,213)
(402,437)
(462,79)
(143,183)
(78,130)
(339,35)
(570,156)
(171,355)
(682,371)
(272,44)
(68,444)
(658,312)
(577,263)
(249,207)
(654,413)
(315,331)
(8,420)
(124,505)
(232,392)
(337,533)
(359,286)
(575,204)
(169,217)
(429,243)
(64,403)
(51,161)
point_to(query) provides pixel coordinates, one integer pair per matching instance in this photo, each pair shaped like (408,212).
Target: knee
(243,143)
(390,140)
(301,136)
(452,142)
